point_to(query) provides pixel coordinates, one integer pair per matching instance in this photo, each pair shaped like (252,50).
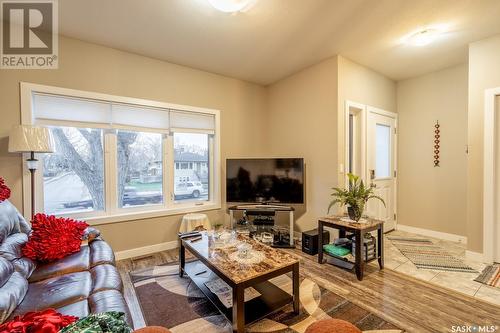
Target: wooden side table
(359,230)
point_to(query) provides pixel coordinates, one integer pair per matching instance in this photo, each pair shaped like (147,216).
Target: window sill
(132,216)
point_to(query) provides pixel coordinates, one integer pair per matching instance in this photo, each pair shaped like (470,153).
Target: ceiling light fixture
(423,37)
(231,6)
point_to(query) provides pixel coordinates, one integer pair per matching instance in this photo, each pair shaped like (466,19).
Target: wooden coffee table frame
(271,299)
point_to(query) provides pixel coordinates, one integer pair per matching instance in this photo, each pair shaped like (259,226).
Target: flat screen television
(265,180)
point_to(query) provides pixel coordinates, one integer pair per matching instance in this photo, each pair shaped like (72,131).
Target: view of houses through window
(191,166)
(139,168)
(74,174)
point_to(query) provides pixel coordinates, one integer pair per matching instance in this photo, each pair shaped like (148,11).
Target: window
(117,156)
(140,168)
(73,177)
(191,183)
(383,151)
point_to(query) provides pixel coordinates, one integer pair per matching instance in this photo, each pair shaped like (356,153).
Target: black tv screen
(274,180)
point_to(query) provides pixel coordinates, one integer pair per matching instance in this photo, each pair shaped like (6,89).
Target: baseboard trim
(474,256)
(145,250)
(432,233)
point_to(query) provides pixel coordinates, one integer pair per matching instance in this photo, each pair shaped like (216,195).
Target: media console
(263,210)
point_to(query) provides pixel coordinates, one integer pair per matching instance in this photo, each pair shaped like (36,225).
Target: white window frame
(112,213)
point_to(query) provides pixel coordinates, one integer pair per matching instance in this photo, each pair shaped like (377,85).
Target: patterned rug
(176,303)
(490,276)
(426,255)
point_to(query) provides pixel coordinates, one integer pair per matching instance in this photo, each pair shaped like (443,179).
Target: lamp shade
(25,139)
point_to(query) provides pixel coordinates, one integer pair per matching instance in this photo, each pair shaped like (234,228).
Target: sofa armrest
(90,234)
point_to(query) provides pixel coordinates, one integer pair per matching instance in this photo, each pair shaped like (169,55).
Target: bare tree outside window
(74,174)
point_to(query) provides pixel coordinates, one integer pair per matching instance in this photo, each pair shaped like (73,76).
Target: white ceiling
(276,38)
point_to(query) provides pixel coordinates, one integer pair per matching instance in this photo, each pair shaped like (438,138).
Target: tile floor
(462,282)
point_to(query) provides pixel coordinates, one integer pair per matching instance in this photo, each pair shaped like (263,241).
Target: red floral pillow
(4,190)
(53,237)
(46,321)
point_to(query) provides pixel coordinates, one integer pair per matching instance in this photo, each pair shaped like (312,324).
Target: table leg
(238,309)
(320,242)
(296,285)
(359,255)
(341,233)
(182,259)
(380,241)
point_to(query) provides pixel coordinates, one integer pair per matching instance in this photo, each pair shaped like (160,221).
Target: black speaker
(310,241)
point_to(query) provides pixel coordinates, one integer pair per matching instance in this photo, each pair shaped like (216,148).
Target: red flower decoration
(4,190)
(53,237)
(46,321)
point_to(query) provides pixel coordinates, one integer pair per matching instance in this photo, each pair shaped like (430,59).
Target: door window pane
(140,168)
(383,151)
(73,176)
(191,180)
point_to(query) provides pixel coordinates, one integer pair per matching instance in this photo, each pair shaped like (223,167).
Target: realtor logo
(29,34)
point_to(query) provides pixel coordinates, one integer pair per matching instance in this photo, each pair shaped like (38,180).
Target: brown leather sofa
(79,284)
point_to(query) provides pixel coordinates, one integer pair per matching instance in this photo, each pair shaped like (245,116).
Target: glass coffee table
(219,262)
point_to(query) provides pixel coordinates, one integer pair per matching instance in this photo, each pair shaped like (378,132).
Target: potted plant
(354,197)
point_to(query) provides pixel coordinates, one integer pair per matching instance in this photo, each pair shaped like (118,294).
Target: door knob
(372,174)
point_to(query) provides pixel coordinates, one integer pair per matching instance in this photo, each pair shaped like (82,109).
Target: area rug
(177,304)
(426,255)
(490,276)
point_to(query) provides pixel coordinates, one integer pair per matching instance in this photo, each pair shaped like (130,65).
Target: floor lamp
(31,139)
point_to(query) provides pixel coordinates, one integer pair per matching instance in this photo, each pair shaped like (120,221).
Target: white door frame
(489,173)
(362,117)
(365,110)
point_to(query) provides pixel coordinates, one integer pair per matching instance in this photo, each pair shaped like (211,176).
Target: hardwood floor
(411,304)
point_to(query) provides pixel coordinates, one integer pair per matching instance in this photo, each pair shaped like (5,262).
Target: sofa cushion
(11,294)
(56,292)
(25,266)
(10,220)
(101,253)
(12,246)
(105,277)
(76,262)
(79,309)
(6,270)
(109,300)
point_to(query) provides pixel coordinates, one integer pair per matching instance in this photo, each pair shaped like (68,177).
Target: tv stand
(264,208)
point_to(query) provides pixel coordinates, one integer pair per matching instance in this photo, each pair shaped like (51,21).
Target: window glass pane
(140,168)
(383,151)
(73,176)
(191,180)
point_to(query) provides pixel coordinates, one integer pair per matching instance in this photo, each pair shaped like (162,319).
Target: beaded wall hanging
(436,143)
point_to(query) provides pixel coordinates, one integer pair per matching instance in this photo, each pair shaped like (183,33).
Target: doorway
(371,142)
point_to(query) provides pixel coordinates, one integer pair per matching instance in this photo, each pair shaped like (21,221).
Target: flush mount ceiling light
(422,37)
(231,6)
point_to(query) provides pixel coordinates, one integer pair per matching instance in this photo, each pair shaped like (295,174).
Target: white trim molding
(489,174)
(146,250)
(474,256)
(432,233)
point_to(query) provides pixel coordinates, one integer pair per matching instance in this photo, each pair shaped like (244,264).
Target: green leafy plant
(354,197)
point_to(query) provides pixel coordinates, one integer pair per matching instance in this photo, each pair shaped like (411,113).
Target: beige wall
(306,117)
(484,73)
(95,68)
(360,84)
(428,197)
(302,122)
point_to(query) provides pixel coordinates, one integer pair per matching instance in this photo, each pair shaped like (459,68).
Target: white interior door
(381,165)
